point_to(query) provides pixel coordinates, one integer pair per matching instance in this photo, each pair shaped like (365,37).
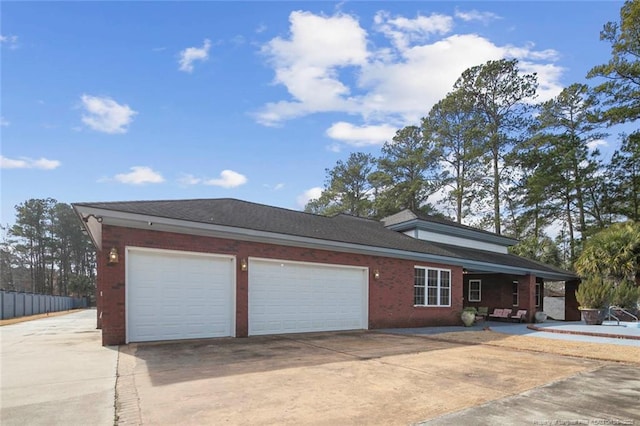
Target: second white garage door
(294,297)
(179,295)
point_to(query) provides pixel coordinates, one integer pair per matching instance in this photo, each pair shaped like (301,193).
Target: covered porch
(512,288)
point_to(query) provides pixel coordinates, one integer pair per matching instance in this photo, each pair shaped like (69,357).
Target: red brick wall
(390,297)
(497,292)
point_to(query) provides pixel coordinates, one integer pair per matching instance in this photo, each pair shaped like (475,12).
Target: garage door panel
(288,297)
(173,295)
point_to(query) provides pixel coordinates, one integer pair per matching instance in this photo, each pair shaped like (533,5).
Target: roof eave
(93,217)
(453,231)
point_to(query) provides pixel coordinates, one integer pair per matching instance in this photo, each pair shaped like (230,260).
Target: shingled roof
(342,228)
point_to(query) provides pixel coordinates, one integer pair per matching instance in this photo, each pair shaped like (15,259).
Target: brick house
(186,269)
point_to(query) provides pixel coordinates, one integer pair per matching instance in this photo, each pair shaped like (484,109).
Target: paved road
(609,395)
(54,371)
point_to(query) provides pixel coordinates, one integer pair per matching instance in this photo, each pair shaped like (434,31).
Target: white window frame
(478,290)
(439,287)
(515,294)
(538,294)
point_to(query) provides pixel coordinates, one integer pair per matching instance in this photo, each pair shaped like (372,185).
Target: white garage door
(176,295)
(292,297)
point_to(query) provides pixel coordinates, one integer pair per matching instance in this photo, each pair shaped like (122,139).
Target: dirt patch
(597,351)
(330,378)
(35,317)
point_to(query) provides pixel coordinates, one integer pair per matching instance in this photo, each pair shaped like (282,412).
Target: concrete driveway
(339,378)
(54,371)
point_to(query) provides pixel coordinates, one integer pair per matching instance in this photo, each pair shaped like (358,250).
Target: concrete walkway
(606,396)
(595,333)
(55,372)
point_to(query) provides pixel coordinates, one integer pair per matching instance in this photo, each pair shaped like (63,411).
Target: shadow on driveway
(183,361)
(360,377)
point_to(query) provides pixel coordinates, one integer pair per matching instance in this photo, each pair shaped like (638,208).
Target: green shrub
(594,293)
(626,295)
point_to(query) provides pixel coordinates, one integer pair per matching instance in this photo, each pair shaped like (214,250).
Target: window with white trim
(538,294)
(431,287)
(475,290)
(516,293)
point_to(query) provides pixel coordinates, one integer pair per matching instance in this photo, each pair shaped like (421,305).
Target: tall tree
(348,189)
(621,88)
(409,162)
(498,92)
(7,262)
(33,230)
(540,248)
(623,174)
(455,130)
(71,247)
(571,115)
(47,240)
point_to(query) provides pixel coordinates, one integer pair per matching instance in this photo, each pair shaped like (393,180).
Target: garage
(296,297)
(178,295)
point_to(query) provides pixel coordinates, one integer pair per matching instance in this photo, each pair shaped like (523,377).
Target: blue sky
(110,101)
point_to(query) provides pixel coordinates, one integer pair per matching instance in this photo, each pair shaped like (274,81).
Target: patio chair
(520,316)
(499,313)
(482,313)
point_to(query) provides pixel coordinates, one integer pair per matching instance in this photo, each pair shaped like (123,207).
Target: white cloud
(139,175)
(191,54)
(278,186)
(596,143)
(404,31)
(308,195)
(334,64)
(476,15)
(308,64)
(103,114)
(28,163)
(4,122)
(188,179)
(228,179)
(361,135)
(11,41)
(549,85)
(528,52)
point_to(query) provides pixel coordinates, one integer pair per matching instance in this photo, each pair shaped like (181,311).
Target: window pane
(445,279)
(474,291)
(432,296)
(418,286)
(418,295)
(444,296)
(432,278)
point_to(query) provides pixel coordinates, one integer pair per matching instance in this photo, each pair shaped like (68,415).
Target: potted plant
(594,296)
(540,316)
(468,316)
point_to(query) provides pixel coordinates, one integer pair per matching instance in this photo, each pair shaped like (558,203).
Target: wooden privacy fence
(15,304)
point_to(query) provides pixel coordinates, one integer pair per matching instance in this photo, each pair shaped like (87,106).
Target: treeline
(490,153)
(46,251)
